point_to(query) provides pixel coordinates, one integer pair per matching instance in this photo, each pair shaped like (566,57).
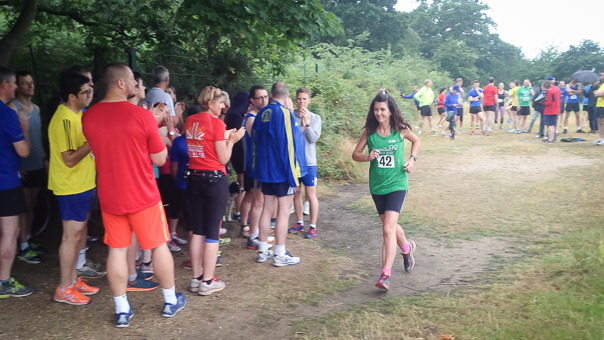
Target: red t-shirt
(489,92)
(202,130)
(122,136)
(441,100)
(552,101)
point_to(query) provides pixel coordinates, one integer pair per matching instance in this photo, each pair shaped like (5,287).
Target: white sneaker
(306,210)
(264,255)
(222,231)
(600,143)
(489,130)
(173,247)
(214,286)
(179,241)
(444,134)
(285,260)
(194,286)
(596,142)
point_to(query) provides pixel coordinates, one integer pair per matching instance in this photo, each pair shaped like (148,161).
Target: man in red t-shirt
(125,143)
(552,110)
(489,102)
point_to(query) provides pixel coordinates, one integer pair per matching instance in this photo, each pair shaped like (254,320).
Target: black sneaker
(408,256)
(13,288)
(580,131)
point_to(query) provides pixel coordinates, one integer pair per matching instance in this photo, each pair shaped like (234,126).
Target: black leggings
(208,193)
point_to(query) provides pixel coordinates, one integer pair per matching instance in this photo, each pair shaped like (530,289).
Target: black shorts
(250,183)
(475,109)
(167,190)
(489,108)
(460,113)
(12,202)
(599,111)
(278,189)
(208,192)
(392,201)
(574,107)
(34,179)
(237,159)
(524,111)
(441,110)
(426,110)
(550,120)
(514,108)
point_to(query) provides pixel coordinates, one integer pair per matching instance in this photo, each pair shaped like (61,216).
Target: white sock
(81,259)
(169,295)
(301,223)
(253,236)
(132,277)
(121,304)
(23,245)
(314,226)
(280,250)
(262,246)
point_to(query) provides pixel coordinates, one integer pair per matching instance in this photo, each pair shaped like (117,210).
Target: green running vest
(386,172)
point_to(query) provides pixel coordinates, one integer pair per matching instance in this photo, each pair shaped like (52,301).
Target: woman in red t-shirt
(209,147)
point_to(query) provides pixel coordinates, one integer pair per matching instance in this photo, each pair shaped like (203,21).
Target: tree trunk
(18,32)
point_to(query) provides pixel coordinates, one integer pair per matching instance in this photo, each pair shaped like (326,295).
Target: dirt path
(243,309)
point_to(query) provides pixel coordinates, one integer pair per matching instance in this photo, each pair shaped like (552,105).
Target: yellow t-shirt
(65,133)
(513,95)
(600,102)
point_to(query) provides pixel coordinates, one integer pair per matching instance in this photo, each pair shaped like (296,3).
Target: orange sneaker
(83,288)
(71,296)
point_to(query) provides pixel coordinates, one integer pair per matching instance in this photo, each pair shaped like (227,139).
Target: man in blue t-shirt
(278,161)
(14,143)
(573,90)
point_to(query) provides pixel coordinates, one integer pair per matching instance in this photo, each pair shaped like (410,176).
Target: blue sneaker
(122,320)
(141,285)
(312,233)
(170,310)
(143,276)
(297,228)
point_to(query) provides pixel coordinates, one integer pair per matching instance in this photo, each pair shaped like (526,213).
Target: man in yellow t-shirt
(599,110)
(72,179)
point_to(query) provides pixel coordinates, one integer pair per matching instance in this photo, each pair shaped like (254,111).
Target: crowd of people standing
(489,105)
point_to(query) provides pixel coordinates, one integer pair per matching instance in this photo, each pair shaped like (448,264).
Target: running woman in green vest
(385,130)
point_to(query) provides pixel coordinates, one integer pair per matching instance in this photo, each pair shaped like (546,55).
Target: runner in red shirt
(125,143)
(552,110)
(442,111)
(489,102)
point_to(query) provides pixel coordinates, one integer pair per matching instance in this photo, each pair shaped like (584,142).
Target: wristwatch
(414,158)
(172,133)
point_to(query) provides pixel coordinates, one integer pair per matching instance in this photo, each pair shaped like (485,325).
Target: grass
(548,198)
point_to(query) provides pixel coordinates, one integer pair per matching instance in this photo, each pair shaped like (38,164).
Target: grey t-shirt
(311,136)
(35,160)
(156,95)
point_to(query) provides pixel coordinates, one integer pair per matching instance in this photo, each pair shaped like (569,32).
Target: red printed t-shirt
(552,101)
(202,130)
(121,136)
(489,92)
(441,100)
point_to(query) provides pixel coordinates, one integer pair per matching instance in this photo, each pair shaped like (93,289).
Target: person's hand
(373,154)
(409,165)
(304,115)
(24,114)
(236,135)
(179,108)
(169,122)
(159,111)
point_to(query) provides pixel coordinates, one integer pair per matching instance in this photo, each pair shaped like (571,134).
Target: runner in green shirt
(524,95)
(385,130)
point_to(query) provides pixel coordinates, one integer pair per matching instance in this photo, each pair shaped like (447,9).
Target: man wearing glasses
(72,179)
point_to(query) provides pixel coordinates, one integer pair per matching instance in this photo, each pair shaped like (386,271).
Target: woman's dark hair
(397,121)
(442,89)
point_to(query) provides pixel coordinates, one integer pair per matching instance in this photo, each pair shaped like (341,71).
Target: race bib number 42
(385,161)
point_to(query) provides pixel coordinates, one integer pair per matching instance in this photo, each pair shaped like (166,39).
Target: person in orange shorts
(126,143)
